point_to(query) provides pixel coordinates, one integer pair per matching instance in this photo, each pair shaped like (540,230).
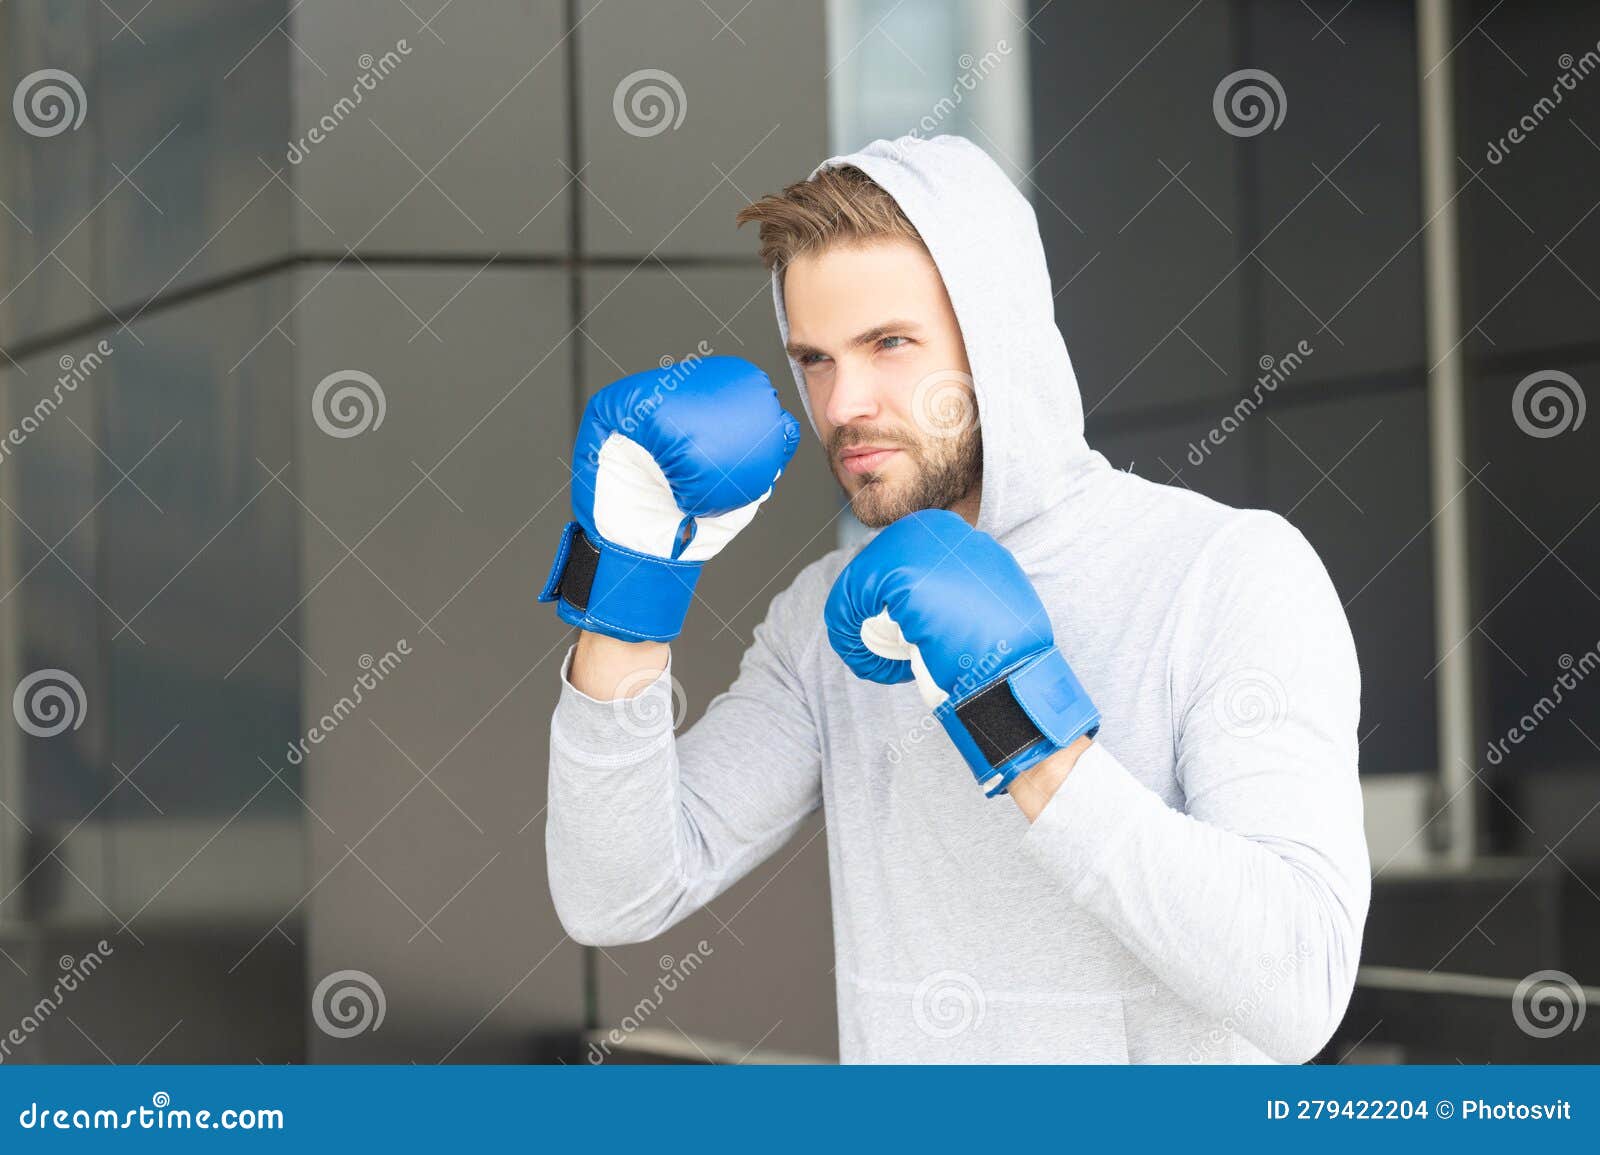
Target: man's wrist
(607,668)
(1034,787)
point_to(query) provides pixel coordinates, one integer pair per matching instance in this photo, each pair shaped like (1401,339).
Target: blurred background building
(302,300)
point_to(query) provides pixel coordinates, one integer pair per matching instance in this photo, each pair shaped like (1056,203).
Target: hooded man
(1138,837)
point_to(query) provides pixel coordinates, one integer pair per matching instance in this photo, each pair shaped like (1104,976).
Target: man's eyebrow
(866,337)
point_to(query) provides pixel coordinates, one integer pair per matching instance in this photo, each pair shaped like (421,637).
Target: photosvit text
(1471,1109)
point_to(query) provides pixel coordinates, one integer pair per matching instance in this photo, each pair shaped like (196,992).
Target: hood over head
(982,235)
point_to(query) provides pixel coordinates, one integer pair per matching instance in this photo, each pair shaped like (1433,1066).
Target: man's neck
(967,507)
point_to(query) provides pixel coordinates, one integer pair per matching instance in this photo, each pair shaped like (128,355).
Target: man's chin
(877,503)
(913,481)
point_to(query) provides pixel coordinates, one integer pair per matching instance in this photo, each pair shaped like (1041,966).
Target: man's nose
(853,397)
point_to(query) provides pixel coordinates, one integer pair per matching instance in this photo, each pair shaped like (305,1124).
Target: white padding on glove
(634,506)
(881,634)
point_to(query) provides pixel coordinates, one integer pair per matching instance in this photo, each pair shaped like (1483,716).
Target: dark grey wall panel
(1532,194)
(1167,453)
(436,888)
(203,561)
(476,100)
(51,485)
(203,202)
(49,183)
(1538,593)
(747,102)
(1133,174)
(1531,249)
(153,813)
(1352,473)
(1336,187)
(211,1014)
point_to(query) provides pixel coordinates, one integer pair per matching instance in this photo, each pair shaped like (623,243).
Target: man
(1133,832)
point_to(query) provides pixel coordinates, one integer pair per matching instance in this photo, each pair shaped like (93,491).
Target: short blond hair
(840,205)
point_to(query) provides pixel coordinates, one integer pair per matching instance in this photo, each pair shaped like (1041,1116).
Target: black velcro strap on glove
(998,723)
(578,576)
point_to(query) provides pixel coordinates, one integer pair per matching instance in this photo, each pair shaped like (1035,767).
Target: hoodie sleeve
(643,829)
(1250,901)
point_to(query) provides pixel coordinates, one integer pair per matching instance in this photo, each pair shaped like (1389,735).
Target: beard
(943,471)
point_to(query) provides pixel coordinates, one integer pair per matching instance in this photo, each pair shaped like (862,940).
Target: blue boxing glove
(932,599)
(669,465)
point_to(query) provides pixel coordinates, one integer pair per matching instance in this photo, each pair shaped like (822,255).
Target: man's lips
(866,458)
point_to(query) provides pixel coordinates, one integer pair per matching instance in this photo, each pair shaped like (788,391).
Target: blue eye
(885,342)
(808,359)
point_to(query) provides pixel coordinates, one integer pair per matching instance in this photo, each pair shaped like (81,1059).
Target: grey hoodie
(1195,891)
